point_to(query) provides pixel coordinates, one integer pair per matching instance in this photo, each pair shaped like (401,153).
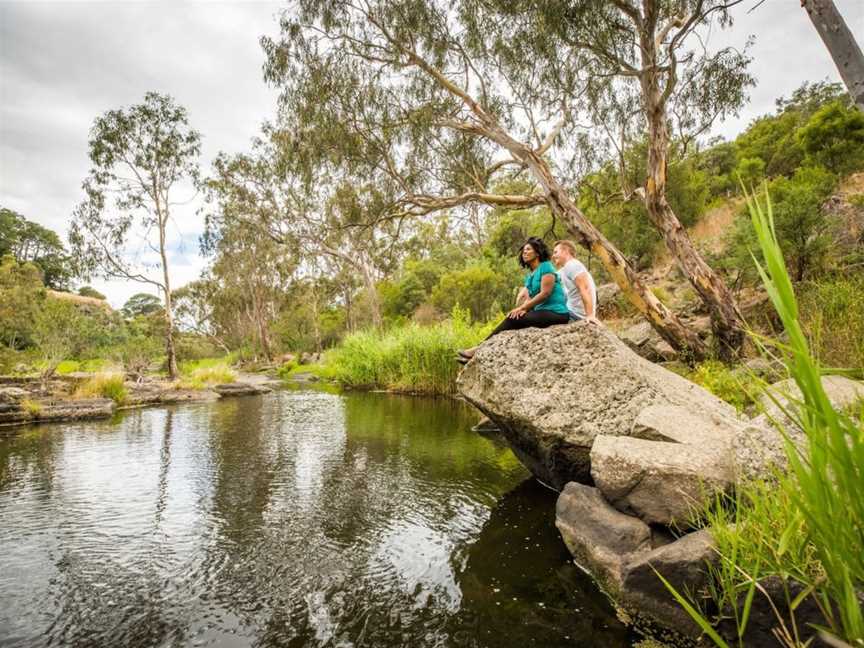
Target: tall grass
(105,385)
(832,315)
(200,374)
(809,527)
(411,358)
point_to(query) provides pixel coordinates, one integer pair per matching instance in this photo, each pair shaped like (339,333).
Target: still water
(291,519)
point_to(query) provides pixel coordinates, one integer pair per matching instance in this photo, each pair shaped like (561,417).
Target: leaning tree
(400,96)
(139,155)
(645,70)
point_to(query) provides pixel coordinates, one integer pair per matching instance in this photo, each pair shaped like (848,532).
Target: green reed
(411,358)
(807,527)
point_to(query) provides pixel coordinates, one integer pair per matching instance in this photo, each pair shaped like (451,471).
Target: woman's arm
(547,284)
(522,295)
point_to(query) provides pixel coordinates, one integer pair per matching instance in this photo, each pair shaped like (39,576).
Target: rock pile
(633,448)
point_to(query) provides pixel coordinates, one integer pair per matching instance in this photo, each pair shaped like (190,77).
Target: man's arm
(584,287)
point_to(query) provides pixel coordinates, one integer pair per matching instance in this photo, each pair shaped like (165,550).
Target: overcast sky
(64,63)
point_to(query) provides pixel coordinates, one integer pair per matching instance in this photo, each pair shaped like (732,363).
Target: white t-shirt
(572,269)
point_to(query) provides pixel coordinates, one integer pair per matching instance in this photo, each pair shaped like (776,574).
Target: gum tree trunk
(841,44)
(726,319)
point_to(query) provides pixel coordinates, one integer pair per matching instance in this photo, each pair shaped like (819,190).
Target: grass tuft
(33,408)
(106,385)
(201,374)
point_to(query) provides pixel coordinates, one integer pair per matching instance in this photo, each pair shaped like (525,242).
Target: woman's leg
(531,319)
(535,319)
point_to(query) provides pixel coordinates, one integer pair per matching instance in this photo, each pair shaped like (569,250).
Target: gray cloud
(64,63)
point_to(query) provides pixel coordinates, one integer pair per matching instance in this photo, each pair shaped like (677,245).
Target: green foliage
(89,291)
(106,385)
(142,304)
(832,316)
(735,387)
(834,137)
(751,171)
(21,293)
(59,331)
(478,289)
(29,242)
(799,220)
(204,373)
(411,358)
(809,526)
(32,407)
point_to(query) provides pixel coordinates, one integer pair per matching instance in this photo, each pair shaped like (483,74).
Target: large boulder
(661,483)
(600,538)
(552,391)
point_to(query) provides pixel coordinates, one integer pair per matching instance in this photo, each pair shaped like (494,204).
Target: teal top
(557,301)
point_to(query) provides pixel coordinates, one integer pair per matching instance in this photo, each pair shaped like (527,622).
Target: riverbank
(86,396)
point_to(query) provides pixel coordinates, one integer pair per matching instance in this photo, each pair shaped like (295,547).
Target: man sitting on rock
(577,282)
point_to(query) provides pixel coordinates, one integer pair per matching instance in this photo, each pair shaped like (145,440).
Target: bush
(800,223)
(736,388)
(834,137)
(33,408)
(478,288)
(104,386)
(832,315)
(410,358)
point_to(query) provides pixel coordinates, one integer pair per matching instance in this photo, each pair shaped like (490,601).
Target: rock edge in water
(29,403)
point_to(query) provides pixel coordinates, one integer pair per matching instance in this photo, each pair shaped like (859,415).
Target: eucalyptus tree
(402,96)
(841,44)
(644,66)
(139,155)
(269,189)
(244,285)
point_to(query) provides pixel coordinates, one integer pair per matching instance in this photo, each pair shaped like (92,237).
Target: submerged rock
(241,389)
(622,553)
(552,391)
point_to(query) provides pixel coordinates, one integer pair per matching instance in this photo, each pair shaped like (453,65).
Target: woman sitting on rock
(540,303)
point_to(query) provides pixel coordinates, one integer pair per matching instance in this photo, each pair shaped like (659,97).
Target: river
(297,518)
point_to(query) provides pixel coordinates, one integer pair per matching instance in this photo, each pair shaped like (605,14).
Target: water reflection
(295,519)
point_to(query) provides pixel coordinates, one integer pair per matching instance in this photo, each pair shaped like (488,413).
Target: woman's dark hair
(539,248)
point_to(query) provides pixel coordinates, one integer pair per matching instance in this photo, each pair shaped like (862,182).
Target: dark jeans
(534,318)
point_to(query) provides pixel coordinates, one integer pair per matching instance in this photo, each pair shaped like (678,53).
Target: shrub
(736,388)
(834,137)
(105,385)
(832,316)
(67,367)
(33,408)
(203,373)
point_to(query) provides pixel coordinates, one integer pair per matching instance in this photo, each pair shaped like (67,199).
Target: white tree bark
(841,44)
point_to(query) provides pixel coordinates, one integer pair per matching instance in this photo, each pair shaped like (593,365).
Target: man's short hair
(570,246)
